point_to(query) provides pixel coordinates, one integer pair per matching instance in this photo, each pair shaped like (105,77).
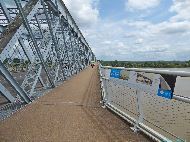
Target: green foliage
(147,64)
(16,60)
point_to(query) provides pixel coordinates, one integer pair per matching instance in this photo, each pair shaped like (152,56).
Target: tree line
(116,63)
(147,64)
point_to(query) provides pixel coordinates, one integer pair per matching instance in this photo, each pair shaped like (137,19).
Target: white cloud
(140,40)
(182,9)
(141,4)
(133,40)
(167,28)
(175,27)
(106,42)
(85,12)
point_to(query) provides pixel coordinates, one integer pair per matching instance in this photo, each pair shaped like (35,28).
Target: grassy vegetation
(147,64)
(16,64)
(128,64)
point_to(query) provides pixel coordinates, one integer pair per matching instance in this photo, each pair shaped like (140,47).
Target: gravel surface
(70,112)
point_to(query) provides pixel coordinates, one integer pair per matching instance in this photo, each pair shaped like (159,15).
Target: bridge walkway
(70,112)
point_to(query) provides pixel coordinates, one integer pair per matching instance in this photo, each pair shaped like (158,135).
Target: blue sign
(165,93)
(115,73)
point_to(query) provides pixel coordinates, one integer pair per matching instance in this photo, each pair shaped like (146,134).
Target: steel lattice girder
(54,49)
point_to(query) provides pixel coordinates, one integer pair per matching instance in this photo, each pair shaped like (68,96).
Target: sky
(134,30)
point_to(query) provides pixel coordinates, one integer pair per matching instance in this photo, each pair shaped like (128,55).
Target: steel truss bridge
(41,47)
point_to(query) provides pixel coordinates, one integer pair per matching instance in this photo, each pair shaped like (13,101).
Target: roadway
(69,112)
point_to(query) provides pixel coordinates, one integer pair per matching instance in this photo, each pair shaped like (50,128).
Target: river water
(182,87)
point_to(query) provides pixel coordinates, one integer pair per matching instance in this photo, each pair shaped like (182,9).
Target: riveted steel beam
(7,94)
(27,26)
(13,83)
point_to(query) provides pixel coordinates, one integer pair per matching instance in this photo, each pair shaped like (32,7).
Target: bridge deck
(70,112)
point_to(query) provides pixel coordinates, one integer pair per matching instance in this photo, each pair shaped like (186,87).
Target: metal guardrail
(158,117)
(175,73)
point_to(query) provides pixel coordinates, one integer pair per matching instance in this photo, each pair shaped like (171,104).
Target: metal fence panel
(165,119)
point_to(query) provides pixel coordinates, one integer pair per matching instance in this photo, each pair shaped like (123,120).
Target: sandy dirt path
(70,112)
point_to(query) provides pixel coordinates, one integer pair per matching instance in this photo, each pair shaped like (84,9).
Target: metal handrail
(175,73)
(152,133)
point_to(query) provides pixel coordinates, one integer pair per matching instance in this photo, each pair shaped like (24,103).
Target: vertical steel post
(139,94)
(64,40)
(33,40)
(21,42)
(52,35)
(71,46)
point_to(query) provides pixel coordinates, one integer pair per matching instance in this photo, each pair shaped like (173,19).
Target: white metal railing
(161,118)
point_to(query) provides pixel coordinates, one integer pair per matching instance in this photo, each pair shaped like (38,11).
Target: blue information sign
(165,93)
(115,73)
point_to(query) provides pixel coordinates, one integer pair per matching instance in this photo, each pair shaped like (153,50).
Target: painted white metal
(61,48)
(7,94)
(177,73)
(127,99)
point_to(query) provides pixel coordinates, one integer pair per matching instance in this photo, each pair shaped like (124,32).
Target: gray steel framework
(40,46)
